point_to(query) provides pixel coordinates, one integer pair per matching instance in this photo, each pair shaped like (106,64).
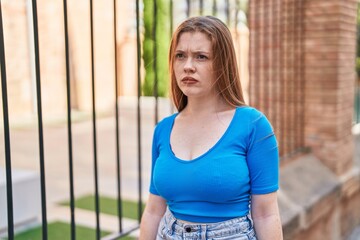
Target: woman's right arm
(154,211)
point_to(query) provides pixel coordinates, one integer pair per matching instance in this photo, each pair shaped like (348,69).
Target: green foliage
(162,45)
(358,63)
(358,43)
(60,231)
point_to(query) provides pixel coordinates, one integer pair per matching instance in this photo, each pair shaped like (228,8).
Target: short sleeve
(154,156)
(262,156)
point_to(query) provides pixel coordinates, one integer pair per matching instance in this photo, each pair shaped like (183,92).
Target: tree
(162,40)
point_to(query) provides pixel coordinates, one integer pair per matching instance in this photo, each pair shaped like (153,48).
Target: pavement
(24,142)
(25,155)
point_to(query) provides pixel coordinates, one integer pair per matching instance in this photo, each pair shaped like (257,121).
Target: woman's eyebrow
(195,51)
(201,51)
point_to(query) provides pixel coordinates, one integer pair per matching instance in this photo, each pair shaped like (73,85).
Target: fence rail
(9,194)
(357,102)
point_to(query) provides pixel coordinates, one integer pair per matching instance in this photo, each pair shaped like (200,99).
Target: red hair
(224,63)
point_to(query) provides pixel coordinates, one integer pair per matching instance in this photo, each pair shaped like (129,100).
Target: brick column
(330,45)
(302,73)
(276,68)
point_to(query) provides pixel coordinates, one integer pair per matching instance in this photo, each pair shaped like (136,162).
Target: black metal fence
(228,9)
(357,102)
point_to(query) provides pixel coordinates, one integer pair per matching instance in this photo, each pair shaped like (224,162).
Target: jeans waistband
(233,226)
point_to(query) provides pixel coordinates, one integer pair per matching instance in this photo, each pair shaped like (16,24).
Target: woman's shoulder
(255,118)
(249,113)
(166,122)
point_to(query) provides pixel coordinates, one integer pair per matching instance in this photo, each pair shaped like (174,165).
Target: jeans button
(188,229)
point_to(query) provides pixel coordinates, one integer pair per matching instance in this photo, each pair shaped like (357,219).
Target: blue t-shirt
(217,185)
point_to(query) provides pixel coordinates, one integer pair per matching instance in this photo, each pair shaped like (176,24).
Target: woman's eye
(202,57)
(179,55)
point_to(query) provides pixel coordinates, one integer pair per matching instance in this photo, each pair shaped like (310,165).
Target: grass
(107,205)
(61,231)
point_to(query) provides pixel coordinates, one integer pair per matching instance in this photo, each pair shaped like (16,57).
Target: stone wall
(303,53)
(17,56)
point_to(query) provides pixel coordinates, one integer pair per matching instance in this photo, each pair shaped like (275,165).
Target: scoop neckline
(172,154)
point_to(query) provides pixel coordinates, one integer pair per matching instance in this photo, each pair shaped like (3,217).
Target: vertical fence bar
(188,8)
(236,31)
(171,8)
(40,123)
(68,98)
(171,17)
(118,164)
(156,92)
(97,210)
(9,193)
(357,80)
(171,32)
(227,12)
(201,7)
(357,110)
(138,108)
(214,8)
(237,8)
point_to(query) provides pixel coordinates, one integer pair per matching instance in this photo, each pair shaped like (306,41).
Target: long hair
(224,63)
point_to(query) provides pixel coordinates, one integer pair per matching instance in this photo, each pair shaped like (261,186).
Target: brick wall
(302,75)
(330,45)
(276,68)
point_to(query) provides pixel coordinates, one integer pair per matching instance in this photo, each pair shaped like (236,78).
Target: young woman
(215,162)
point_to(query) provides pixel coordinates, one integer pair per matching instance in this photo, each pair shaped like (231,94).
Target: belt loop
(171,225)
(171,222)
(203,231)
(250,220)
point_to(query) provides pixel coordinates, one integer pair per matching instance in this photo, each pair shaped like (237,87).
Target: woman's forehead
(195,41)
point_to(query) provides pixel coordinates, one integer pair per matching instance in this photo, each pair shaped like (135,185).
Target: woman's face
(193,65)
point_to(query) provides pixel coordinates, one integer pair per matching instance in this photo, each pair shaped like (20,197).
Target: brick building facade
(302,75)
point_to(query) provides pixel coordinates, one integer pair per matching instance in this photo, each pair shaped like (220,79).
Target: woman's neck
(206,106)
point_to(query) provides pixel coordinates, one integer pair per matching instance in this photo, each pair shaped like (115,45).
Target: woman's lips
(189,80)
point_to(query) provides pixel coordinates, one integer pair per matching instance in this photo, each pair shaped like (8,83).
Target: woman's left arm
(266,216)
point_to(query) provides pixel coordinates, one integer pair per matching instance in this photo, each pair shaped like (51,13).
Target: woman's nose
(189,65)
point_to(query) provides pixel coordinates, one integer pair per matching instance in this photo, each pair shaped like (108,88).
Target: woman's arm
(265,213)
(154,211)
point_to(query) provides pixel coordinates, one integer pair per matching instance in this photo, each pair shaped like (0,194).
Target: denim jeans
(170,228)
